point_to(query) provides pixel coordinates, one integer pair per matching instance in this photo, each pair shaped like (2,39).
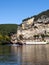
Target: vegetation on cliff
(41,14)
(38,15)
(5,30)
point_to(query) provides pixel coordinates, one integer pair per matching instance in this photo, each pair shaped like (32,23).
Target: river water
(24,55)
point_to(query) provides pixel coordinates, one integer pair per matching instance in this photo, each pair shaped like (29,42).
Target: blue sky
(14,11)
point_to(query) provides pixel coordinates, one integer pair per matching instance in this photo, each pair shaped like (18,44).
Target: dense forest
(6,30)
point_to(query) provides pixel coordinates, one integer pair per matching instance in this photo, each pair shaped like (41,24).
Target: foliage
(38,16)
(4,38)
(47,42)
(36,36)
(42,13)
(5,30)
(43,36)
(26,19)
(46,35)
(21,37)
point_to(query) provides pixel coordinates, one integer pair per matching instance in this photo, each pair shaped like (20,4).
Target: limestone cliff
(35,28)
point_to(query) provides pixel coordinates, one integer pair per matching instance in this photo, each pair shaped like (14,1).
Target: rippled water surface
(24,55)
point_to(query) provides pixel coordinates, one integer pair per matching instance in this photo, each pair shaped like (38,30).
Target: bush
(36,36)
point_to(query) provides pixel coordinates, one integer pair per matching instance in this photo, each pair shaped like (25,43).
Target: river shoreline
(24,43)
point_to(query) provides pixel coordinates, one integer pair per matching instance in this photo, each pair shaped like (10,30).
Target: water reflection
(24,55)
(16,52)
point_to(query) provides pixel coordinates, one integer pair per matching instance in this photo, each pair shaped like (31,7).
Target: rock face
(14,38)
(27,23)
(34,30)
